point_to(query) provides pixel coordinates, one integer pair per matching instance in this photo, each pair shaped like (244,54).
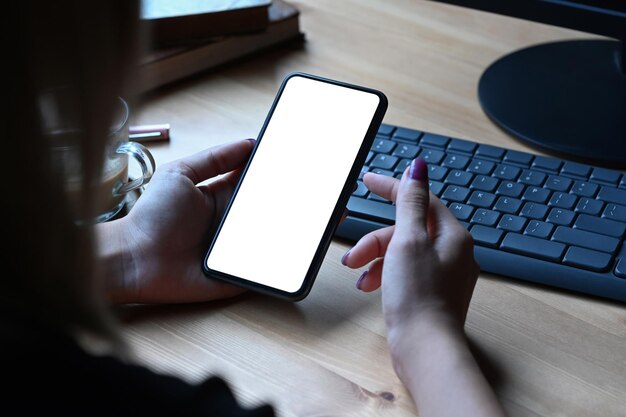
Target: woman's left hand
(154,254)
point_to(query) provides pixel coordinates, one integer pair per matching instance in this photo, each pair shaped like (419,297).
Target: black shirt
(48,373)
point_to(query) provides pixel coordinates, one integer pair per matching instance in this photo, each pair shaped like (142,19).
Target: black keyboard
(535,218)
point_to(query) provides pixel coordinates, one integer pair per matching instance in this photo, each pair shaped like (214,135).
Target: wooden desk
(548,353)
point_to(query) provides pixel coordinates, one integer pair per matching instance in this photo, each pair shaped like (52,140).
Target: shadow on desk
(314,316)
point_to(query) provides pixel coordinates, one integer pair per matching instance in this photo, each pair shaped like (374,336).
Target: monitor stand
(565,98)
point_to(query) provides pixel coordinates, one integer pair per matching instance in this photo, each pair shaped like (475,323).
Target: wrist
(415,340)
(118,269)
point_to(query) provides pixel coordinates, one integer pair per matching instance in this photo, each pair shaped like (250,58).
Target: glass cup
(114,186)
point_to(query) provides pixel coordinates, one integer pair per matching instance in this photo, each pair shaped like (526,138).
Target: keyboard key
(587,259)
(512,223)
(405,134)
(545,163)
(484,183)
(436,172)
(612,195)
(560,217)
(385,129)
(481,166)
(432,156)
(532,177)
(371,209)
(406,151)
(558,183)
(536,195)
(622,183)
(534,211)
(457,177)
(584,189)
(517,157)
(376,197)
(481,199)
(510,189)
(585,239)
(383,145)
(615,212)
(507,172)
(598,225)
(485,217)
(432,140)
(508,205)
(538,229)
(456,193)
(436,187)
(534,247)
(461,211)
(620,268)
(486,236)
(364,169)
(361,190)
(455,161)
(370,155)
(383,161)
(562,200)
(589,206)
(380,171)
(489,151)
(574,169)
(460,145)
(605,176)
(402,166)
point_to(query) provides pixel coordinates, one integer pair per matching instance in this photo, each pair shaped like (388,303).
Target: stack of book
(189,36)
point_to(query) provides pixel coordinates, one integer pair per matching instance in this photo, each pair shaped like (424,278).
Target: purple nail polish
(344,258)
(360,280)
(418,170)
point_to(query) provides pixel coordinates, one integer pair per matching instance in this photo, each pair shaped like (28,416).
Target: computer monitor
(567,98)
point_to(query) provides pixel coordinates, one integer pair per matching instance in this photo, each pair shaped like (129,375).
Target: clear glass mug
(114,186)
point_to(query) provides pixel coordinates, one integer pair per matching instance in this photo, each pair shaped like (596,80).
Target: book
(165,65)
(181,21)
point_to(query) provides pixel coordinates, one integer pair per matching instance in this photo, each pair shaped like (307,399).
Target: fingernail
(344,258)
(251,140)
(360,280)
(419,170)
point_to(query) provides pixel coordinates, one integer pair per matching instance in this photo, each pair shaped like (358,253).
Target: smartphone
(289,200)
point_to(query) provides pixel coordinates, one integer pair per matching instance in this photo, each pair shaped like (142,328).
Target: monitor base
(566,98)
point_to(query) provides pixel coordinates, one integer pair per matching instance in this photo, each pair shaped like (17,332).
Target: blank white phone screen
(284,204)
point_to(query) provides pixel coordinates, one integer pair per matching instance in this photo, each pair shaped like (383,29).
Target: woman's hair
(89,49)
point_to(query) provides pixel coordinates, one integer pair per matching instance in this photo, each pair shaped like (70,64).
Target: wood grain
(547,352)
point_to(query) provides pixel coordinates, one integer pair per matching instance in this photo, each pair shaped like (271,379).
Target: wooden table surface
(547,353)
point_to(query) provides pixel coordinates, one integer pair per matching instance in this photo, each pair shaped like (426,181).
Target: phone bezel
(333,222)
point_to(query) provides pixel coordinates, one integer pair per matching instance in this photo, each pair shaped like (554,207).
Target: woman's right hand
(428,276)
(426,261)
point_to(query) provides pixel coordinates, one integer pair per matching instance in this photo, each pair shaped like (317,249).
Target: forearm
(115,262)
(433,360)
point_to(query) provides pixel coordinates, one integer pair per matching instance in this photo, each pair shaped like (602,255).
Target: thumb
(412,201)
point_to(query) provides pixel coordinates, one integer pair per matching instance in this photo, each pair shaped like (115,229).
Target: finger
(447,228)
(371,246)
(371,279)
(412,201)
(215,161)
(384,186)
(222,189)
